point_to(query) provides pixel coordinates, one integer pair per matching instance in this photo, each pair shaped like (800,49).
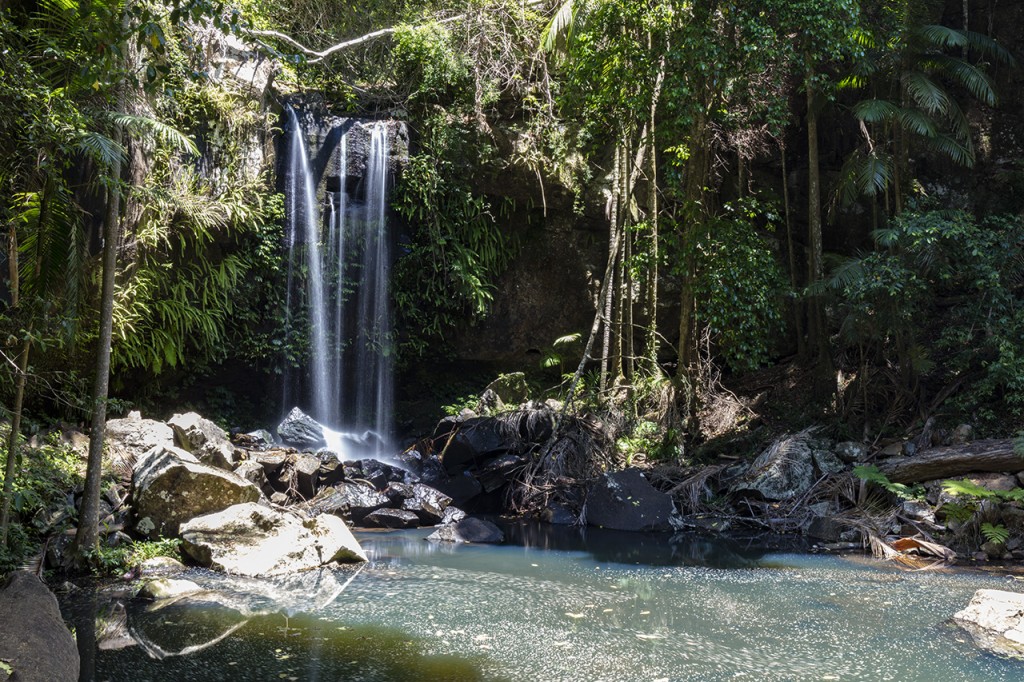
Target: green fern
(871,474)
(965,488)
(997,533)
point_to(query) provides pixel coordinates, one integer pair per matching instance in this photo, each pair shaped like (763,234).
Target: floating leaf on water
(606,611)
(645,613)
(643,635)
(574,616)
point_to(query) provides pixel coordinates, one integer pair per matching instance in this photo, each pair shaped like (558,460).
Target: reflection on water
(552,604)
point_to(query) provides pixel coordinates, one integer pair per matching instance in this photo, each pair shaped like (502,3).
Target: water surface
(558,604)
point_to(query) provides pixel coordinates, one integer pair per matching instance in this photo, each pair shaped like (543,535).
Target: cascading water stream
(347,261)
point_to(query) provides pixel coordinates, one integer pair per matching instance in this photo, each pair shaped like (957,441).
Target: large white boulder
(253,540)
(995,620)
(204,439)
(170,486)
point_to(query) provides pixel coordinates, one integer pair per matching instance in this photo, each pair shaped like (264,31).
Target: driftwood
(995,455)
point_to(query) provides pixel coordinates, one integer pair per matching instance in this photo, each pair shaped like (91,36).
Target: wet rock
(783,471)
(462,488)
(161,565)
(249,539)
(451,515)
(625,500)
(34,641)
(995,621)
(204,439)
(472,441)
(427,503)
(557,514)
(391,518)
(824,528)
(301,431)
(499,471)
(260,439)
(170,487)
(306,469)
(167,588)
(850,452)
(349,500)
(468,530)
(398,493)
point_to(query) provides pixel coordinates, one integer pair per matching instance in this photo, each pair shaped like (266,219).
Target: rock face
(170,487)
(625,500)
(468,530)
(788,468)
(995,620)
(301,431)
(129,438)
(204,439)
(34,641)
(251,540)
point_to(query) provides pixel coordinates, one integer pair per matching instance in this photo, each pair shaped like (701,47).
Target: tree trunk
(12,440)
(796,308)
(87,537)
(825,379)
(955,460)
(609,293)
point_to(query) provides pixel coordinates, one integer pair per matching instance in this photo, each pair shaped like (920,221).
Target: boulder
(167,588)
(468,530)
(160,566)
(249,539)
(253,472)
(451,514)
(391,518)
(995,620)
(301,431)
(128,439)
(783,471)
(170,487)
(307,475)
(850,451)
(472,441)
(260,439)
(557,514)
(625,500)
(376,473)
(461,488)
(204,439)
(399,493)
(510,389)
(349,500)
(34,641)
(427,503)
(496,473)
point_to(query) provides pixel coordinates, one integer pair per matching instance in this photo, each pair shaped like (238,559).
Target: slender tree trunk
(87,537)
(797,308)
(651,297)
(825,380)
(13,438)
(613,234)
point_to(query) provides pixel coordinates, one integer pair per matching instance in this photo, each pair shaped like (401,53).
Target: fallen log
(996,455)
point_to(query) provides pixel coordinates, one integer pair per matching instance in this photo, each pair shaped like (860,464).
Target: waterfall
(343,242)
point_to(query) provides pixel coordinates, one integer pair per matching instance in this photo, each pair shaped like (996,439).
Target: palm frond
(925,92)
(967,76)
(101,148)
(558,33)
(918,122)
(166,134)
(958,152)
(875,110)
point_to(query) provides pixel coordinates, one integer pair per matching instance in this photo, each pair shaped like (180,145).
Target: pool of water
(553,604)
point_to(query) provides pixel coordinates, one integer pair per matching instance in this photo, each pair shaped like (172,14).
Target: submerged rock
(170,487)
(625,500)
(391,518)
(34,641)
(995,620)
(252,540)
(167,588)
(301,431)
(468,530)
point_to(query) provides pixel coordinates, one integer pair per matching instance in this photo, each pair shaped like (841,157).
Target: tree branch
(319,56)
